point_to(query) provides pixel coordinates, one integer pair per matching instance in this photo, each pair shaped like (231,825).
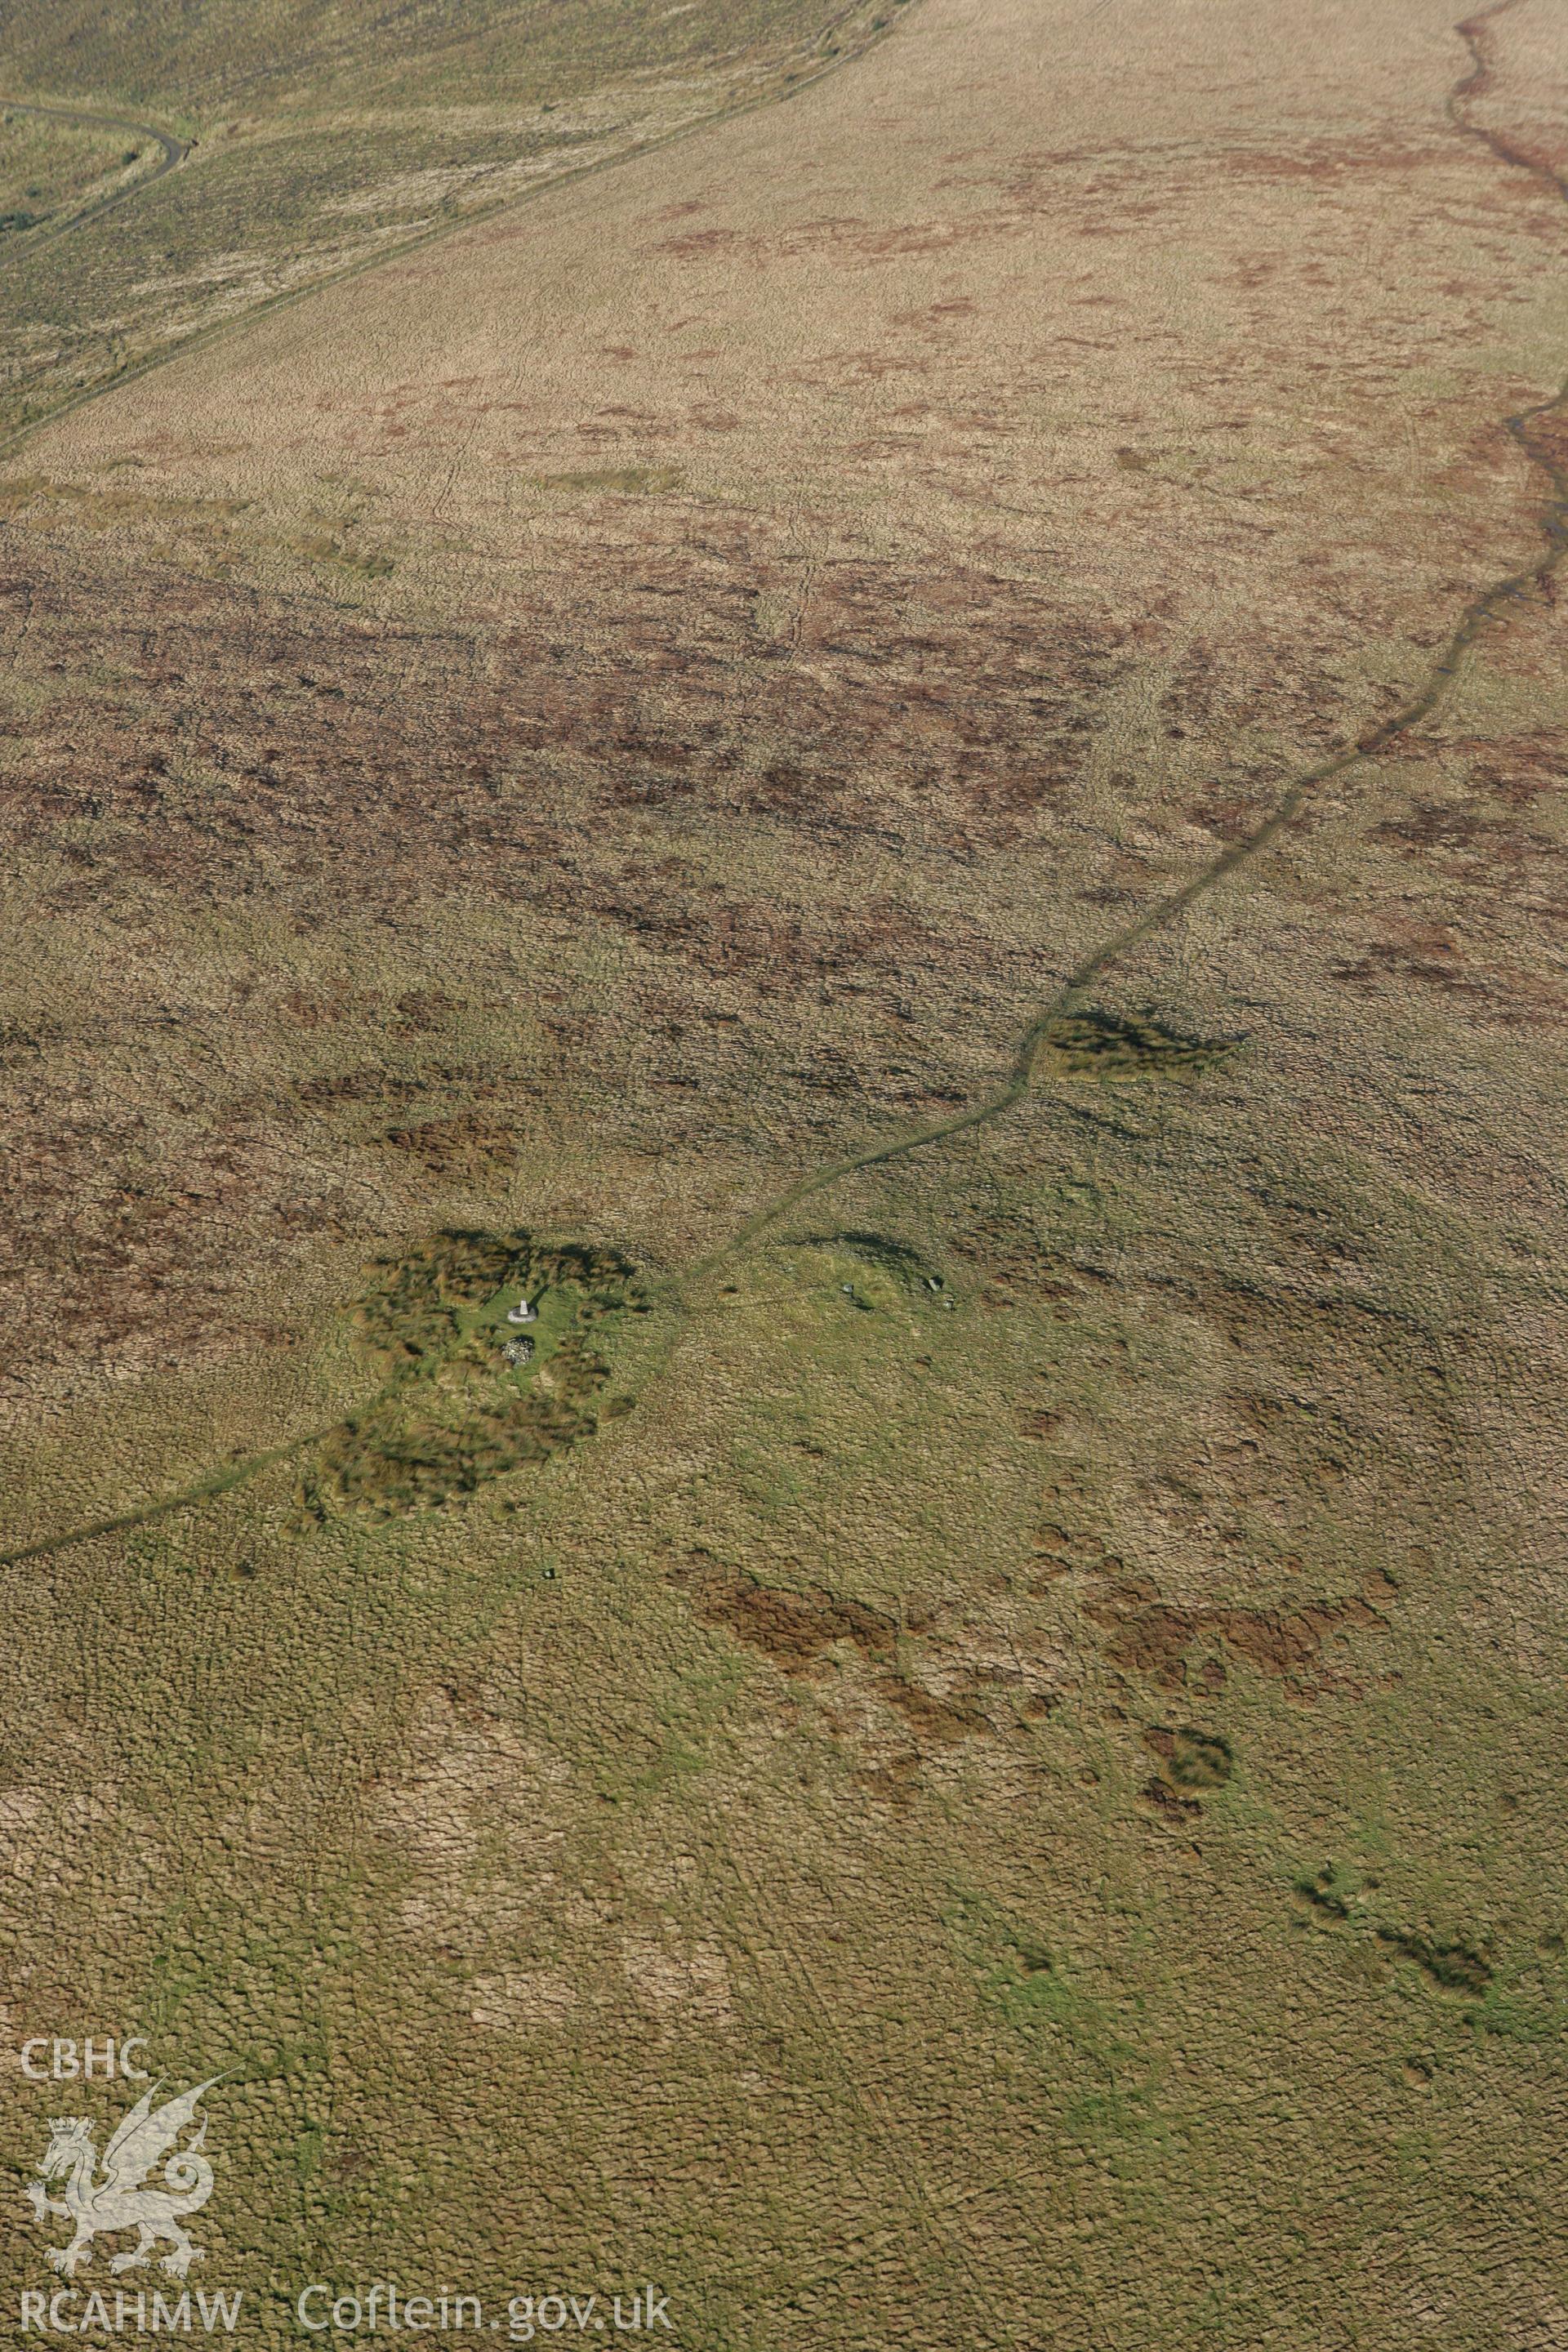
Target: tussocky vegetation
(899,758)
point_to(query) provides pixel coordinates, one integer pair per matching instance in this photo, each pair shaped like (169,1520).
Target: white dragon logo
(118,2200)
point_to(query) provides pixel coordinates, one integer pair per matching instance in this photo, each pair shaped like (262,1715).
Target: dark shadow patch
(1194,1762)
(1320,1893)
(1451,1964)
(1454,1966)
(1111,1045)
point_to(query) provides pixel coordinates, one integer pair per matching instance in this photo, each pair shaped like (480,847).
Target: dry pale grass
(1012,1797)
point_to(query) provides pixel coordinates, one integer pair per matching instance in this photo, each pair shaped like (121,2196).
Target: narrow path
(173,152)
(1483,612)
(879,30)
(1479,615)
(219,1482)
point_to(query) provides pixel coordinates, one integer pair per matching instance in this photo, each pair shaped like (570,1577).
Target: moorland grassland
(966,1753)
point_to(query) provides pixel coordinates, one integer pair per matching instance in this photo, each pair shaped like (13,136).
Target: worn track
(1486,610)
(173,152)
(1482,612)
(222,329)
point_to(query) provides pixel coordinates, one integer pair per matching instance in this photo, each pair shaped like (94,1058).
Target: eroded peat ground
(935,720)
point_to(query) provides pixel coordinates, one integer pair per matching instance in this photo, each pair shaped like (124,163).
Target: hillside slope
(976,1760)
